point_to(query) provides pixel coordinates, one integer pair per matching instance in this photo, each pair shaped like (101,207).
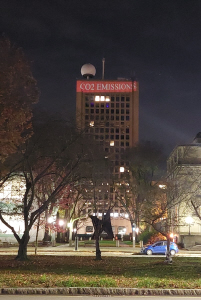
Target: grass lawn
(104,243)
(135,272)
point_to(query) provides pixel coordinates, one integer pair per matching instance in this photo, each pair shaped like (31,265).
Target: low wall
(190,240)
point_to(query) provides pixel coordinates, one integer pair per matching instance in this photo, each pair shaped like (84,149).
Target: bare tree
(57,156)
(138,181)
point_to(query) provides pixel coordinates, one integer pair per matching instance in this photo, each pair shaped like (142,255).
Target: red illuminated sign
(106,86)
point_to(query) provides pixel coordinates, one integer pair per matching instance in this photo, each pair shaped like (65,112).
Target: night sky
(158,41)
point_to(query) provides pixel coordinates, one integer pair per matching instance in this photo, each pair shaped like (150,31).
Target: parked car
(160,247)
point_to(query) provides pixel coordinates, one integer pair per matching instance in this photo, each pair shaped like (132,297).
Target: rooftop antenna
(103,68)
(133,75)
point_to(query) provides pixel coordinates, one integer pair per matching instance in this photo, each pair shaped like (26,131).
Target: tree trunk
(47,237)
(70,236)
(168,258)
(22,251)
(37,230)
(98,252)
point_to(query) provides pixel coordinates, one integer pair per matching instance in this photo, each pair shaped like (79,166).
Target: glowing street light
(50,220)
(61,222)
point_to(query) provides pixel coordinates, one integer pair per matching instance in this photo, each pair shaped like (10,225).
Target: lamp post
(189,221)
(51,221)
(133,233)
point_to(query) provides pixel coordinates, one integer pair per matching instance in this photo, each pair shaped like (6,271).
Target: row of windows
(117,164)
(117,150)
(112,142)
(107,111)
(106,130)
(112,99)
(107,105)
(120,229)
(112,137)
(111,130)
(112,118)
(118,99)
(104,123)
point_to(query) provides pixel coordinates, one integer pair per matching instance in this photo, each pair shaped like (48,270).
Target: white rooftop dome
(88,71)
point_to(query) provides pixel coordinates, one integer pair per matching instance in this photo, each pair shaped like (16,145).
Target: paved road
(62,297)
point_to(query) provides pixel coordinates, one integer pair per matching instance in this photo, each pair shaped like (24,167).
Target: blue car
(160,248)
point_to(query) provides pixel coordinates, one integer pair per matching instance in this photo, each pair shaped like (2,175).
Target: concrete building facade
(184,176)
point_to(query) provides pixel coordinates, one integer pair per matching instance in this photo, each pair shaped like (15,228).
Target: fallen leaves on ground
(66,271)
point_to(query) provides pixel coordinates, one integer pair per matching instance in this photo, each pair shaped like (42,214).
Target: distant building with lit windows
(184,175)
(109,110)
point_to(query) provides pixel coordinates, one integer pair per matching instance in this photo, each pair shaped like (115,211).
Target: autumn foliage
(18,91)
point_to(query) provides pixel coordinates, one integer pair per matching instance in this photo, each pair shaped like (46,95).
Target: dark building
(109,110)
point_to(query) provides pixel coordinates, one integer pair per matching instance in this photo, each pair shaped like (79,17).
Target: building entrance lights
(189,220)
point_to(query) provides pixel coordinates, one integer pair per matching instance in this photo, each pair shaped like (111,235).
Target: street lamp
(61,222)
(133,233)
(51,221)
(189,221)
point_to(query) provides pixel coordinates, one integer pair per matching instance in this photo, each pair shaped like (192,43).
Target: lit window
(162,186)
(111,143)
(102,98)
(121,230)
(121,169)
(91,123)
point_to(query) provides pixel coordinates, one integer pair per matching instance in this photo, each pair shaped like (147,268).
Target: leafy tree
(18,92)
(72,205)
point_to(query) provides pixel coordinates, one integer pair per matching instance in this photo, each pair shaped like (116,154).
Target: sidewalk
(65,249)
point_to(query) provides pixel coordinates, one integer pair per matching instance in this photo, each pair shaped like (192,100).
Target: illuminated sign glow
(106,86)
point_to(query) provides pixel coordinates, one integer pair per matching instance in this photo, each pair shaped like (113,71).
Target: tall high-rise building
(109,110)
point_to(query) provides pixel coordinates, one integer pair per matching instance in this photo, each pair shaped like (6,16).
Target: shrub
(151,237)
